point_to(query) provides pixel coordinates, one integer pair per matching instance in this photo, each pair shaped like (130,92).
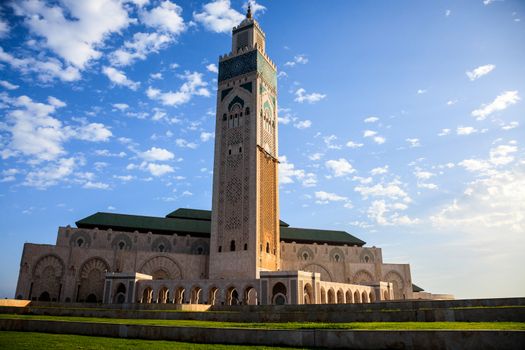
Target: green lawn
(290,325)
(30,340)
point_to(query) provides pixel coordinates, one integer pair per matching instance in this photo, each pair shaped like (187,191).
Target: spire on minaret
(249,11)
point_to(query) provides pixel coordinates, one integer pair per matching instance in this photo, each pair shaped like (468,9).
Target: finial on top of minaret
(249,11)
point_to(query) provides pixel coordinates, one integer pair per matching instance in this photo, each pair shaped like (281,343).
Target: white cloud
(157,154)
(379,170)
(352,144)
(289,174)
(502,154)
(206,136)
(323,197)
(4,28)
(166,17)
(466,130)
(390,190)
(451,102)
(139,48)
(444,132)
(339,167)
(329,142)
(157,75)
(423,175)
(121,106)
(8,85)
(421,91)
(212,67)
(218,16)
(371,119)
(428,186)
(187,193)
(50,174)
(185,144)
(299,59)
(119,78)
(74,40)
(124,178)
(448,13)
(193,86)
(475,165)
(159,169)
(303,124)
(94,132)
(510,125)
(487,2)
(384,214)
(107,153)
(373,134)
(480,71)
(369,133)
(413,142)
(56,102)
(96,185)
(301,96)
(46,70)
(315,156)
(500,103)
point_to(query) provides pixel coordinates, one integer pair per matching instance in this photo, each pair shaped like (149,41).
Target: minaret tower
(245,209)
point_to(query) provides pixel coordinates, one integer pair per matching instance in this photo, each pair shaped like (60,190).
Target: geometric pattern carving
(80,239)
(268,227)
(161,265)
(93,264)
(367,256)
(233,190)
(234,137)
(305,253)
(233,161)
(337,255)
(161,244)
(363,277)
(232,223)
(47,261)
(122,242)
(92,276)
(200,247)
(398,283)
(47,275)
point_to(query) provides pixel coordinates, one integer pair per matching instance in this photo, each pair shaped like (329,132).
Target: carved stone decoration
(363,277)
(161,244)
(233,190)
(122,242)
(305,253)
(161,267)
(47,277)
(80,239)
(337,255)
(325,274)
(92,276)
(397,282)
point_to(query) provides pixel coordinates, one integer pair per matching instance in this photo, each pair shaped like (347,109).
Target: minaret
(245,208)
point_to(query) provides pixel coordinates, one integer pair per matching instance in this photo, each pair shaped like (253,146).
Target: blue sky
(400,122)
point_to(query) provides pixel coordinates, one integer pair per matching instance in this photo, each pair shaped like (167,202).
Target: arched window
(224,117)
(220,248)
(121,245)
(240,149)
(245,246)
(232,246)
(161,248)
(267,247)
(247,112)
(80,242)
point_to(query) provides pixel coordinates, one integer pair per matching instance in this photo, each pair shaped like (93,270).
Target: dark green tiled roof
(198,223)
(307,235)
(416,288)
(199,214)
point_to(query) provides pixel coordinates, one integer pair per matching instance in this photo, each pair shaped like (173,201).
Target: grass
(290,325)
(30,340)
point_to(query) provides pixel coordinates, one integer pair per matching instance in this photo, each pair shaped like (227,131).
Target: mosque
(240,252)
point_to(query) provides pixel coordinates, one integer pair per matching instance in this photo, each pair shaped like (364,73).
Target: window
(161,248)
(80,242)
(245,246)
(240,149)
(367,259)
(232,246)
(336,258)
(247,112)
(224,117)
(200,251)
(220,248)
(305,256)
(229,151)
(267,247)
(121,245)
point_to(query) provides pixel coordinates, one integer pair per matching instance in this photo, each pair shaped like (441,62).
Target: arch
(44,296)
(385,295)
(80,239)
(147,295)
(232,296)
(121,242)
(120,294)
(196,293)
(179,295)
(367,256)
(91,298)
(232,246)
(161,267)
(305,253)
(164,295)
(212,295)
(331,296)
(236,101)
(308,294)
(340,297)
(323,296)
(398,283)
(349,297)
(337,255)
(357,297)
(325,274)
(161,244)
(91,279)
(200,247)
(364,297)
(47,276)
(250,296)
(363,277)
(371,297)
(279,292)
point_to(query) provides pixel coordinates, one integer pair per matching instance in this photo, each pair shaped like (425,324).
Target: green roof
(416,288)
(198,223)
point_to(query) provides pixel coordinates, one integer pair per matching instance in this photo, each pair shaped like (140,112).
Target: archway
(120,294)
(250,296)
(357,297)
(91,298)
(44,296)
(323,296)
(196,295)
(279,294)
(331,296)
(371,297)
(147,295)
(179,296)
(364,297)
(164,294)
(385,295)
(349,297)
(212,296)
(91,279)
(308,294)
(232,297)
(340,297)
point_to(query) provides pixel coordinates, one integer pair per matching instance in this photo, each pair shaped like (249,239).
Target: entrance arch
(279,294)
(308,294)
